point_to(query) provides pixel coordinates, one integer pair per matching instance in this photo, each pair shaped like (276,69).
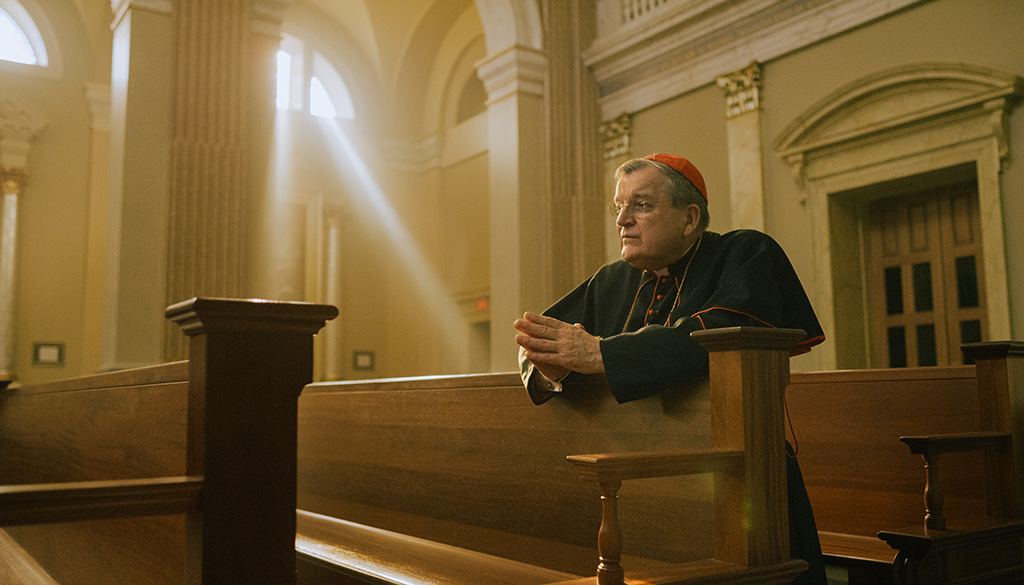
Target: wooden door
(925,277)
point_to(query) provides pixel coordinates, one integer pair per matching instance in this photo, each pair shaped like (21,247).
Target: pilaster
(515,79)
(743,134)
(141,98)
(98,98)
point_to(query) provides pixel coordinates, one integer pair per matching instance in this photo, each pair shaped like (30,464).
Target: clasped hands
(556,347)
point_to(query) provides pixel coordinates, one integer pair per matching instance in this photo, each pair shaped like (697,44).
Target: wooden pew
(862,480)
(203,451)
(463,480)
(135,426)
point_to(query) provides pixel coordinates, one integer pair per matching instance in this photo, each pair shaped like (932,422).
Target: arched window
(316,87)
(20,41)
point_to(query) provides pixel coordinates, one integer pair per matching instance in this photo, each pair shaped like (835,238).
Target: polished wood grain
(90,500)
(622,466)
(846,426)
(473,452)
(379,554)
(864,484)
(88,451)
(125,425)
(449,460)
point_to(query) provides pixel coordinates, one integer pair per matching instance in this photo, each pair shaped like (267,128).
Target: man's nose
(624,217)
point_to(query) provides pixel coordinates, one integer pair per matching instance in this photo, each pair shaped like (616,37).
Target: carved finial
(615,134)
(742,90)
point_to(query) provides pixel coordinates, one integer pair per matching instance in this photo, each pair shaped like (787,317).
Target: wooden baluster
(933,517)
(609,538)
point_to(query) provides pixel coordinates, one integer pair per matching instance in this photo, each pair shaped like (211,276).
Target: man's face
(652,231)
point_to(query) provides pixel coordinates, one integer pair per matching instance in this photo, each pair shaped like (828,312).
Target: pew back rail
(249,360)
(394,490)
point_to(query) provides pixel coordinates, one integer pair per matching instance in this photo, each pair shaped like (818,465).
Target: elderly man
(632,319)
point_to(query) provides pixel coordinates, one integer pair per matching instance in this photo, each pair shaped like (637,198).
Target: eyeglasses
(634,207)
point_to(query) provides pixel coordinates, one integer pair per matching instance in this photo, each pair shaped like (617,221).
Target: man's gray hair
(682,191)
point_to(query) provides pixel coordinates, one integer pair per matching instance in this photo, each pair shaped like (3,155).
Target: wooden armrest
(90,500)
(931,447)
(610,469)
(956,442)
(605,467)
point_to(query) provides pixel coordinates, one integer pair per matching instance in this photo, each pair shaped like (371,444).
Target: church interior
(435,168)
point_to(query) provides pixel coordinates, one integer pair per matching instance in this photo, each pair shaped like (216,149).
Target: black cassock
(738,278)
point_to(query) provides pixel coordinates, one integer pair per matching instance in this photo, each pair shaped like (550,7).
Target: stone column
(192,101)
(12,181)
(221,139)
(520,197)
(18,125)
(579,200)
(743,133)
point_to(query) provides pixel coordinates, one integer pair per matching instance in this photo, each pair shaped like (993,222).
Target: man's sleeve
(540,387)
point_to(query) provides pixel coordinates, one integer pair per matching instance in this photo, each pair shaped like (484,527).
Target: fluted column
(743,132)
(206,223)
(223,105)
(192,100)
(12,181)
(578,198)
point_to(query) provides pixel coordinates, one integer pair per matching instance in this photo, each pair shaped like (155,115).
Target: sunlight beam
(347,157)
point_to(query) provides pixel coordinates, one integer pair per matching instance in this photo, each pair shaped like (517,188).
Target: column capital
(414,157)
(12,180)
(19,123)
(517,69)
(121,7)
(616,134)
(742,89)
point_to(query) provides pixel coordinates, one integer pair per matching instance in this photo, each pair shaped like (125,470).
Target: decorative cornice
(410,157)
(881,103)
(742,90)
(121,7)
(689,44)
(514,70)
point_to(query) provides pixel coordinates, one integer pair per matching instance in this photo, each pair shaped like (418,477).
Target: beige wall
(53,230)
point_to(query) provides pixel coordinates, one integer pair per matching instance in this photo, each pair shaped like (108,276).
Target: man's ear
(692,219)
